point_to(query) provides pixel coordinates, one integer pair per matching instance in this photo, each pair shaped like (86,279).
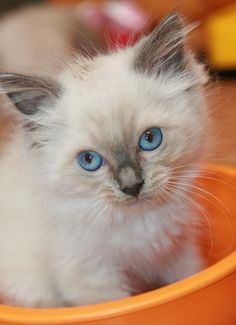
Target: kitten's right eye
(90,160)
(151,139)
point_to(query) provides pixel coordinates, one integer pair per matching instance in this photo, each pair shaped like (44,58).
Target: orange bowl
(207,298)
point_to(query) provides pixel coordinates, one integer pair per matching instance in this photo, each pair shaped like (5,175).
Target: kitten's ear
(163,50)
(28,93)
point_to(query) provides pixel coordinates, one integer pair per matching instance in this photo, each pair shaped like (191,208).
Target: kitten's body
(50,260)
(68,236)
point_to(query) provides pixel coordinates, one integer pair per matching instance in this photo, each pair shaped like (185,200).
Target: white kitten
(92,201)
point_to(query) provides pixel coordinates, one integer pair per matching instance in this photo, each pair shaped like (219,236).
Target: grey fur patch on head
(28,92)
(126,168)
(128,177)
(163,50)
(128,172)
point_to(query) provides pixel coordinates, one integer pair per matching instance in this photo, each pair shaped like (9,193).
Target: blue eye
(150,139)
(90,160)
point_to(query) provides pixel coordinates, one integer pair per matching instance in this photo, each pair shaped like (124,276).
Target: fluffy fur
(70,237)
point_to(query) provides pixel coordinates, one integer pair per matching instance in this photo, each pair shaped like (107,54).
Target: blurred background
(39,36)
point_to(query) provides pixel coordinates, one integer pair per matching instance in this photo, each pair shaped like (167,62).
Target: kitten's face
(108,113)
(117,106)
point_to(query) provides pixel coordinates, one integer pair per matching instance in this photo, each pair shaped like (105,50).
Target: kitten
(92,200)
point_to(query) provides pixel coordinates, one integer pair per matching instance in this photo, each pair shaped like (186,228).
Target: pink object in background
(120,21)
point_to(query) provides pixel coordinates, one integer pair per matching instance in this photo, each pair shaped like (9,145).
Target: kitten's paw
(185,264)
(94,296)
(28,293)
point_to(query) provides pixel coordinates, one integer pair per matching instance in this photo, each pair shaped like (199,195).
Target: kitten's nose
(133,190)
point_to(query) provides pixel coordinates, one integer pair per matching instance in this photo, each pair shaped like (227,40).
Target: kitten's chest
(144,243)
(144,234)
(141,249)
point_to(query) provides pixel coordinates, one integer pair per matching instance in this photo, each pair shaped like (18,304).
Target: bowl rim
(185,287)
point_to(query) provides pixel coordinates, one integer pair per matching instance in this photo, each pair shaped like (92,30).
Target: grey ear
(163,49)
(28,93)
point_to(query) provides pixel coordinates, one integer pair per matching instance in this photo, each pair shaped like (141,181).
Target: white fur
(71,237)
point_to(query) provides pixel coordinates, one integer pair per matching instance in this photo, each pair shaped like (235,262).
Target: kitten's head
(116,128)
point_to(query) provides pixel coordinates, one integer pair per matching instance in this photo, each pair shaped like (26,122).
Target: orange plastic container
(207,298)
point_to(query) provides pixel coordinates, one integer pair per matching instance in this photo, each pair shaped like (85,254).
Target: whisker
(218,204)
(77,230)
(197,188)
(201,176)
(204,213)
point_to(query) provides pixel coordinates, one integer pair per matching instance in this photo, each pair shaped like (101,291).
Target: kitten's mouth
(143,201)
(148,201)
(140,203)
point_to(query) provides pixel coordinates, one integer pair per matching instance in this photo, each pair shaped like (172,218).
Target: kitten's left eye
(151,139)
(90,160)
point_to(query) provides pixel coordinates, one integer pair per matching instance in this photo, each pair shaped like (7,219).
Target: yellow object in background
(221,39)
